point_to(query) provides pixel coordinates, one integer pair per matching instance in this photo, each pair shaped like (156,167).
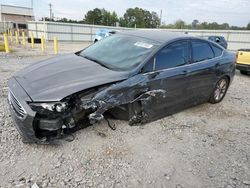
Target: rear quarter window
(217,50)
(201,51)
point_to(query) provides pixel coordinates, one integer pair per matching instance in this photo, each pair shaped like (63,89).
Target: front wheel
(219,90)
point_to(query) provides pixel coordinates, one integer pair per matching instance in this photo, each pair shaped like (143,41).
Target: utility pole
(32,9)
(160,17)
(50,11)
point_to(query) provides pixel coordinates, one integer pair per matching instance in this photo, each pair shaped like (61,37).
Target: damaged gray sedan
(138,76)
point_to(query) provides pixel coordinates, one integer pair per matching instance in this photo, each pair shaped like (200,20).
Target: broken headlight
(49,107)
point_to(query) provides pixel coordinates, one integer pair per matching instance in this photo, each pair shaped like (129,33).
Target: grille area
(16,106)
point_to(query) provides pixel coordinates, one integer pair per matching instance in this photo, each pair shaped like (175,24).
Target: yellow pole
(55,45)
(17,37)
(6,44)
(32,39)
(24,38)
(11,37)
(42,43)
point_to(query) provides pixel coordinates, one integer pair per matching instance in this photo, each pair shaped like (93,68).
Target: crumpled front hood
(58,77)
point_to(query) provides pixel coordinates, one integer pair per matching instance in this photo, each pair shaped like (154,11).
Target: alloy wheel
(221,88)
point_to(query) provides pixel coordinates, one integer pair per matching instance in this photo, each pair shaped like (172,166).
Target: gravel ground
(204,146)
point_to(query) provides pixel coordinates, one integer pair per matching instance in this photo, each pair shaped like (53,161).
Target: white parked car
(102,33)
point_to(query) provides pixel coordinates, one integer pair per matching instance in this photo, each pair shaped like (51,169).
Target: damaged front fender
(130,91)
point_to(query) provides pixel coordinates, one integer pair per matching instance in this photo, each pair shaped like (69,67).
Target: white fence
(236,39)
(84,32)
(67,31)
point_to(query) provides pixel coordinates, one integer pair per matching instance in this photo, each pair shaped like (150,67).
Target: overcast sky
(234,12)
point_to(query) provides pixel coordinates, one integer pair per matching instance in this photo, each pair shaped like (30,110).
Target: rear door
(202,71)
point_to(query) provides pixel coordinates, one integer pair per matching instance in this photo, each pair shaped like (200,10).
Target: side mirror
(152,75)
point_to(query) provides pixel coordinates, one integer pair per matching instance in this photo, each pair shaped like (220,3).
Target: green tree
(248,26)
(179,24)
(66,20)
(109,18)
(93,17)
(203,25)
(101,17)
(225,26)
(134,17)
(155,20)
(46,19)
(194,24)
(113,18)
(140,18)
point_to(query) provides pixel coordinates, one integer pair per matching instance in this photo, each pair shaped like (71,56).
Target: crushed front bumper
(21,112)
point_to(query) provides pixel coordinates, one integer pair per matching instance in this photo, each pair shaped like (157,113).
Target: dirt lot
(205,146)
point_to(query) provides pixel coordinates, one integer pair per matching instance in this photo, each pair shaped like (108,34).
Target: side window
(173,55)
(217,50)
(201,51)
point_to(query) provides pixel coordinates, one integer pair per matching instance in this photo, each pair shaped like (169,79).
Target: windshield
(120,52)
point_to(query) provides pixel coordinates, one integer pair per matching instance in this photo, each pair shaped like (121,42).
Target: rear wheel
(243,72)
(219,90)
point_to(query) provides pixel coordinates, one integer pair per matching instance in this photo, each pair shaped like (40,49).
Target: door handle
(217,64)
(185,72)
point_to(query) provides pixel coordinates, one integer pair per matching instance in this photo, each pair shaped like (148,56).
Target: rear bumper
(24,123)
(243,67)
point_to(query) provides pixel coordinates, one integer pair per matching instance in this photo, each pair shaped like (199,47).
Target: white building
(19,16)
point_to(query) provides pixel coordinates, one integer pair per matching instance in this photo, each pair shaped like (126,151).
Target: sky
(234,12)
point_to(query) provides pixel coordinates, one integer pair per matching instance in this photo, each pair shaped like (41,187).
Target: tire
(243,72)
(219,91)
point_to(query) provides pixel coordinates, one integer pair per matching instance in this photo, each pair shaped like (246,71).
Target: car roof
(156,35)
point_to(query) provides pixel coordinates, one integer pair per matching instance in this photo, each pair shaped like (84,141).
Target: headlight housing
(49,107)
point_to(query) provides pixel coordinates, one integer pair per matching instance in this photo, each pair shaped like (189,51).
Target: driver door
(167,71)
